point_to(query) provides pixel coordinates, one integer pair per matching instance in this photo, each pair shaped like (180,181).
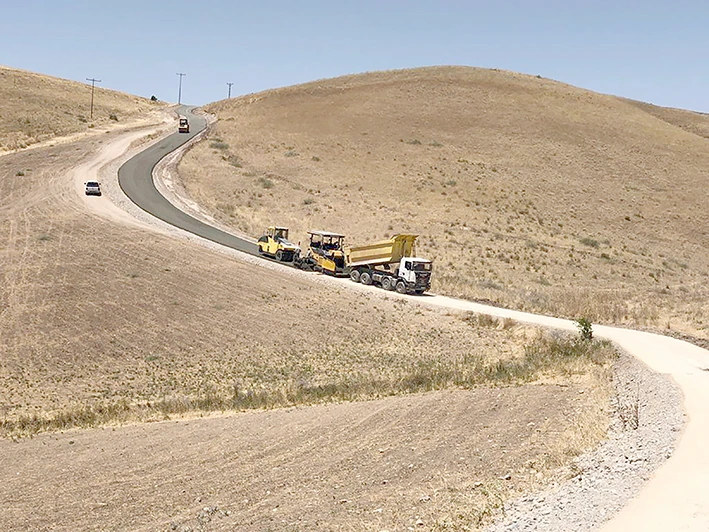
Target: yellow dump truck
(183,125)
(391,264)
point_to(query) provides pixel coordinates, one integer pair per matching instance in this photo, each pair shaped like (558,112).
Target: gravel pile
(647,422)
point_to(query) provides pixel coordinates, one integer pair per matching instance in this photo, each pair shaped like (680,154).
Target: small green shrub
(219,145)
(308,201)
(585,328)
(113,117)
(265,182)
(20,173)
(291,153)
(590,242)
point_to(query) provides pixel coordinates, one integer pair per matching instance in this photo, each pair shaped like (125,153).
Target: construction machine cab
(277,233)
(325,243)
(326,252)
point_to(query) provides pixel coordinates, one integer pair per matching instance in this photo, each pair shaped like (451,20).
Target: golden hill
(35,107)
(527,192)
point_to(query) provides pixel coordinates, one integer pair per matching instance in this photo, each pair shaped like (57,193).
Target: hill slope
(35,107)
(526,191)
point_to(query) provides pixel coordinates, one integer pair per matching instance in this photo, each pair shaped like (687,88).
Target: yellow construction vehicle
(184,125)
(324,254)
(391,264)
(274,243)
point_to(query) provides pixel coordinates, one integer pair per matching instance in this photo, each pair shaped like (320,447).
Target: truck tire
(401,287)
(279,255)
(365,278)
(354,275)
(386,283)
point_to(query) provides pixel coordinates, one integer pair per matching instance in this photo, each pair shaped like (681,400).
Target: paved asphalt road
(135,178)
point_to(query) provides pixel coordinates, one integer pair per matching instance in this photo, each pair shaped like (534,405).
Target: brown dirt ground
(441,458)
(526,192)
(93,312)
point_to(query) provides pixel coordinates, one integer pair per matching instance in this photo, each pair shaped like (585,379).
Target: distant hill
(527,192)
(35,107)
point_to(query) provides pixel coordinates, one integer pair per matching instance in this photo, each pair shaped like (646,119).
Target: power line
(230,84)
(179,91)
(93,81)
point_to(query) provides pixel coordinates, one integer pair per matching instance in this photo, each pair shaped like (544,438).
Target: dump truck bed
(382,252)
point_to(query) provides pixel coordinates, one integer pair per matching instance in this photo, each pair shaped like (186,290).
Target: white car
(93,188)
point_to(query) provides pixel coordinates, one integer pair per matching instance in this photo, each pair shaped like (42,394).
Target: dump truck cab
(416,273)
(183,125)
(275,243)
(325,252)
(391,264)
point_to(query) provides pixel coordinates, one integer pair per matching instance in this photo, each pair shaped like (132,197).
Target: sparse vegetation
(219,145)
(265,182)
(585,328)
(591,242)
(547,355)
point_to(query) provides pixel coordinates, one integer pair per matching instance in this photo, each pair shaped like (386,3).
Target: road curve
(676,498)
(135,178)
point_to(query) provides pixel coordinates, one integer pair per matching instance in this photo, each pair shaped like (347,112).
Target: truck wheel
(279,255)
(401,287)
(260,251)
(386,283)
(365,278)
(354,275)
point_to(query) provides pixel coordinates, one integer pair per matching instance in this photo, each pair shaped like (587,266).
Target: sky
(654,51)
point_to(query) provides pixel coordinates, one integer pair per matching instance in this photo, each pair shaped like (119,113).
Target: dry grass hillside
(526,192)
(104,324)
(35,107)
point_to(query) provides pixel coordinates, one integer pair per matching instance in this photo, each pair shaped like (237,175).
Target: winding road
(135,178)
(676,498)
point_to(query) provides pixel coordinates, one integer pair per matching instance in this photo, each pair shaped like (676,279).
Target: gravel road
(648,421)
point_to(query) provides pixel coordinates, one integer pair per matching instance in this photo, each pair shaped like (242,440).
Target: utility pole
(230,84)
(93,81)
(179,91)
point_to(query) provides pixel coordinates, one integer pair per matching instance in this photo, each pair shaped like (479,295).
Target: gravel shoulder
(649,419)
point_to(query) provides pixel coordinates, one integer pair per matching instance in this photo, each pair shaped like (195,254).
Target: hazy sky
(650,50)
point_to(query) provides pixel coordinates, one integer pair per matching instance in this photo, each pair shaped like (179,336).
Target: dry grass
(36,108)
(528,193)
(547,356)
